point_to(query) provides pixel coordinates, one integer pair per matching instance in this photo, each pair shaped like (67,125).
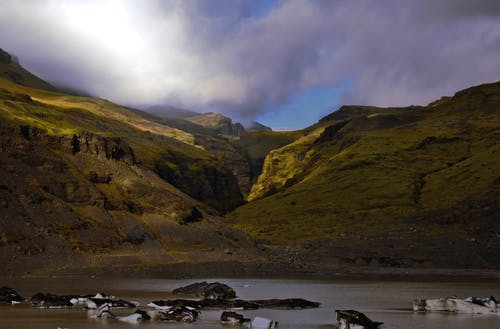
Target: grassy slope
(159,147)
(415,173)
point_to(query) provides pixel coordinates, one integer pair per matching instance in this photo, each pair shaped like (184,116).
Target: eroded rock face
(213,185)
(232,158)
(86,195)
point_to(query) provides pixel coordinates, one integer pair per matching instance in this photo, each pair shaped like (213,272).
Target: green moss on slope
(387,173)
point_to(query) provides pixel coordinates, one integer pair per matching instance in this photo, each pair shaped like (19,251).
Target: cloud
(243,58)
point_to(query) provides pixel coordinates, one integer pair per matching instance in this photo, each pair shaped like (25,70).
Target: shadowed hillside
(243,155)
(86,183)
(400,187)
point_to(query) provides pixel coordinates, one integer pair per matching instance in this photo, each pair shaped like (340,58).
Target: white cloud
(212,55)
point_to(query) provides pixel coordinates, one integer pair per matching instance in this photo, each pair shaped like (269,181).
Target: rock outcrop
(86,195)
(220,124)
(83,178)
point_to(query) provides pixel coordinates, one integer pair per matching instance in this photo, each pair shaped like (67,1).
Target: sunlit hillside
(388,185)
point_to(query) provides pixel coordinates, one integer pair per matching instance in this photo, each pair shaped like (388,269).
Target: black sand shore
(272,271)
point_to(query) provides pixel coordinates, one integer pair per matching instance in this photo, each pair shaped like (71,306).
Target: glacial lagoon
(387,301)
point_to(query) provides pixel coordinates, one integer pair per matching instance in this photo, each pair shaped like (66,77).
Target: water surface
(386,301)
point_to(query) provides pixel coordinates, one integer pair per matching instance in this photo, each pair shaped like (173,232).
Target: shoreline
(230,270)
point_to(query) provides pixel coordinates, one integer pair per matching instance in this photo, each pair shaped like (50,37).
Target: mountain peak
(221,124)
(257,126)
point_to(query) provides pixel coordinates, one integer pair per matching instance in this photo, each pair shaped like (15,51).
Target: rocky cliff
(83,200)
(169,151)
(86,183)
(222,125)
(225,150)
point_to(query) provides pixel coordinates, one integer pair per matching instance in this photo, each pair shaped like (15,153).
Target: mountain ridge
(11,69)
(89,185)
(394,187)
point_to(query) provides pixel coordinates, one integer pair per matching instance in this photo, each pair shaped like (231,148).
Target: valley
(87,185)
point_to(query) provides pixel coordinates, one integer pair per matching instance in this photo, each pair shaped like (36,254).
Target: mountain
(256,126)
(86,183)
(171,112)
(89,185)
(222,125)
(243,155)
(395,187)
(12,71)
(171,152)
(242,151)
(222,148)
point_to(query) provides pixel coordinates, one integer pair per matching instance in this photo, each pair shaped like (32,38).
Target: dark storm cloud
(460,8)
(243,57)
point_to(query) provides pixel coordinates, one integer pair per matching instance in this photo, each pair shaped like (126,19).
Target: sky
(285,63)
